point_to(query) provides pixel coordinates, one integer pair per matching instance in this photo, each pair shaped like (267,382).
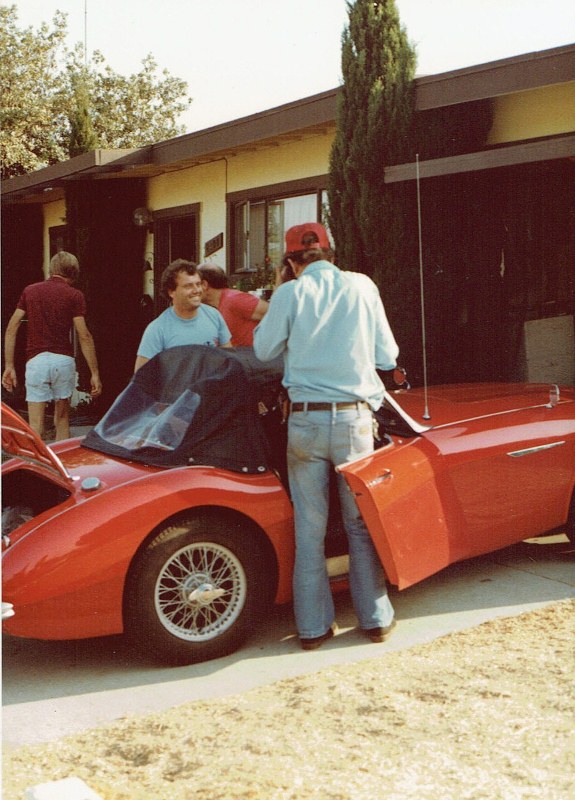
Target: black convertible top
(193,404)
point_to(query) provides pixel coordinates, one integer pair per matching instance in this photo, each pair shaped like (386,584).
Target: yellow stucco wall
(547,111)
(299,159)
(208,184)
(54,215)
(205,184)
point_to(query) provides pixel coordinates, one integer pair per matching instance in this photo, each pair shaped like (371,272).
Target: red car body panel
(84,569)
(466,488)
(57,561)
(494,465)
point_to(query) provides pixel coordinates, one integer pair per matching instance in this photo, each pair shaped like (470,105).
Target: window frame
(316,184)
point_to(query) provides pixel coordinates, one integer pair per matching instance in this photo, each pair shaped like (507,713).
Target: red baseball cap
(309,236)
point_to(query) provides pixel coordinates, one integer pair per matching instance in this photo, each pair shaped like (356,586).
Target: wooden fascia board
(66,170)
(495,78)
(530,152)
(288,119)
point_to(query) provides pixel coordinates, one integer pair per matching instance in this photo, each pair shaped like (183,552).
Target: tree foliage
(55,105)
(29,82)
(374,120)
(374,224)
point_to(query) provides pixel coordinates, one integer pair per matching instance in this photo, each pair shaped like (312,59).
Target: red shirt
(237,308)
(50,307)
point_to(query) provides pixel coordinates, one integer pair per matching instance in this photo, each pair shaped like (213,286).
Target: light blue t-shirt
(169,330)
(331,327)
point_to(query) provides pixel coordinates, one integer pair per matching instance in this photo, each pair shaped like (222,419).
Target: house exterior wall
(547,111)
(525,115)
(287,162)
(209,184)
(204,184)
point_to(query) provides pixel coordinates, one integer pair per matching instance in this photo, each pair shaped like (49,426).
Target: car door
(408,506)
(465,488)
(510,473)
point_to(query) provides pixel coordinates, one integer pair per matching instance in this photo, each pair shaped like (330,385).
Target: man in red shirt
(51,308)
(242,311)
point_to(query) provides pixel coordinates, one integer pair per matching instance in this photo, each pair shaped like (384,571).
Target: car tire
(196,590)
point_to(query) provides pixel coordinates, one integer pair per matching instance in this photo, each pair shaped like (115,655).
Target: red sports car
(171,520)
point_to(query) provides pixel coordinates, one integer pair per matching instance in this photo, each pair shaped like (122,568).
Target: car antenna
(426,414)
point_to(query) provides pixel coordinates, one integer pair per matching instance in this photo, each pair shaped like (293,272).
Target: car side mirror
(400,378)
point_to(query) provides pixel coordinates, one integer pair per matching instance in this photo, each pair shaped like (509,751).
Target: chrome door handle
(385,475)
(537,449)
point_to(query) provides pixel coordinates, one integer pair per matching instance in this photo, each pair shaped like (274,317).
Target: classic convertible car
(171,520)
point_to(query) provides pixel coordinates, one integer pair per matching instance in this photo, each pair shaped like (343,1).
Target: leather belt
(328,406)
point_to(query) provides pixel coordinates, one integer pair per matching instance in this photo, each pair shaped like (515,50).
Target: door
(404,500)
(467,488)
(176,235)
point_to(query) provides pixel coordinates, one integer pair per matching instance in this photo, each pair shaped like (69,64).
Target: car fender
(64,564)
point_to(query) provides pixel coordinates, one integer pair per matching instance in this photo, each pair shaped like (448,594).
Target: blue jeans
(316,441)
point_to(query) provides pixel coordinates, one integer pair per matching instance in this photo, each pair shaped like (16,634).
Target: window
(259,223)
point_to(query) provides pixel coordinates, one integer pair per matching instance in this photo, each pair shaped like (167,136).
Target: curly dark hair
(169,277)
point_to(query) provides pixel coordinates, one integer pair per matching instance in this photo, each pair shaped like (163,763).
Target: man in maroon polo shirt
(51,307)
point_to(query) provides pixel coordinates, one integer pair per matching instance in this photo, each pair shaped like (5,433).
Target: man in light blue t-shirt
(187,320)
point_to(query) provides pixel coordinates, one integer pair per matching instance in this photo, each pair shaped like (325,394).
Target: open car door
(399,494)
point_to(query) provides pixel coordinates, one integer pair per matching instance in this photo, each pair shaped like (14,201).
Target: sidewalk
(69,687)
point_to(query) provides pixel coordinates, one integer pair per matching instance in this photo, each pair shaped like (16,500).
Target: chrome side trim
(529,450)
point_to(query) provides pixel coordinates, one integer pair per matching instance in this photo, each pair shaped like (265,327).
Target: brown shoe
(378,635)
(313,644)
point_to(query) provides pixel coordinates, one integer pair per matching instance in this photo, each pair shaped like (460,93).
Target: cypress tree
(83,138)
(374,122)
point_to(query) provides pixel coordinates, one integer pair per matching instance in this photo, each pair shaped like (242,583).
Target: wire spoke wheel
(196,589)
(200,591)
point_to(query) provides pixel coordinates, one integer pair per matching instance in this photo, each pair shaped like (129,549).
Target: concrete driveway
(54,689)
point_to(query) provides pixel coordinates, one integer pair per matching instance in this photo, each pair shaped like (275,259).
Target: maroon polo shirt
(50,306)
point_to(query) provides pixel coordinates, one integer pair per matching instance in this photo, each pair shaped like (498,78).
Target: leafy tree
(374,121)
(128,111)
(29,80)
(54,102)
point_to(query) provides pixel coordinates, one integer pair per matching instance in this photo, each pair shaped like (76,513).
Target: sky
(240,57)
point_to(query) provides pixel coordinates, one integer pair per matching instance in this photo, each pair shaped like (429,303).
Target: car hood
(20,441)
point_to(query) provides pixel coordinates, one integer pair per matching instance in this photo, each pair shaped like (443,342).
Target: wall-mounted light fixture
(143,217)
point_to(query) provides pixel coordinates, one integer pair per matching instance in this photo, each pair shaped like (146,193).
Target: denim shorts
(50,376)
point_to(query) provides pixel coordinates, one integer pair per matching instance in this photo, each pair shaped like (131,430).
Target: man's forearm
(9,347)
(10,337)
